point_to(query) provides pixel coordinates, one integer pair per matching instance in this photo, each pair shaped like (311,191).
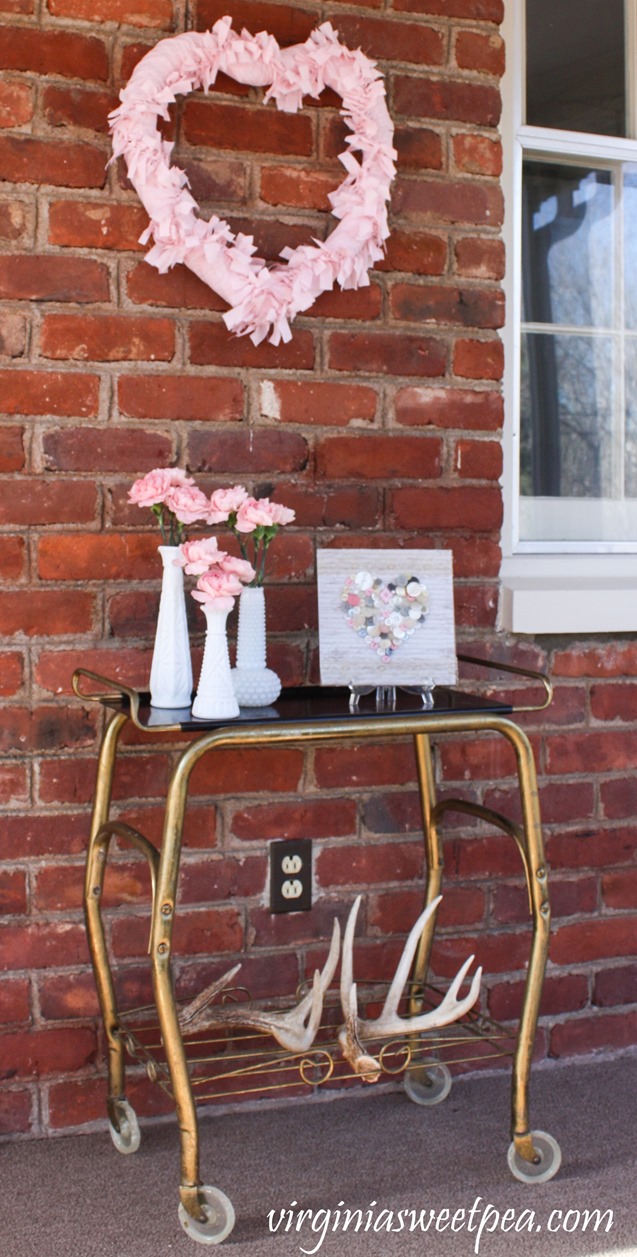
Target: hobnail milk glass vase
(215,699)
(255,685)
(171,668)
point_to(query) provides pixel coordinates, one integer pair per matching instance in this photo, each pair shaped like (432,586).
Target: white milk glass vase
(255,685)
(171,668)
(215,699)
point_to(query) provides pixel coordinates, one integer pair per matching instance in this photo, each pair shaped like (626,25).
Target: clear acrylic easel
(386,694)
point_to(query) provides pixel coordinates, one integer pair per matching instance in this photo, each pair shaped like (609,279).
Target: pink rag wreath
(262,298)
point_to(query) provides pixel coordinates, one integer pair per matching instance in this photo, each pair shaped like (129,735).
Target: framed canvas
(386,617)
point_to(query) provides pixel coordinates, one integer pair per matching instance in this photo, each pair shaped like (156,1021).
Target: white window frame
(570,587)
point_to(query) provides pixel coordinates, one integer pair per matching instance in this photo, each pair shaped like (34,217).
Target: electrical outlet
(291,876)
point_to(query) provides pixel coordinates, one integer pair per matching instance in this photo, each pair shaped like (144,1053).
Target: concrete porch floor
(75,1196)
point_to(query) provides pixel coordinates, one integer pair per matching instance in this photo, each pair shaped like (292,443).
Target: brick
(41,945)
(479,359)
(103,449)
(592,848)
(591,752)
(569,897)
(361,303)
(44,278)
(307,818)
(213,344)
(595,939)
(415,252)
(136,777)
(179,288)
(40,835)
(419,148)
(49,393)
(11,448)
(477,51)
(91,225)
(243,771)
(477,155)
(311,402)
(614,701)
(619,798)
(449,201)
(180,397)
(209,932)
(379,457)
(17,221)
(347,506)
(449,408)
(560,994)
(215,179)
(16,1105)
(363,866)
(12,558)
(16,103)
(62,1000)
(34,1053)
(153,13)
(107,338)
(74,56)
(397,812)
(475,10)
(474,556)
(465,507)
(393,40)
(615,985)
(560,801)
(506,952)
(394,912)
(35,501)
(45,727)
(96,557)
(14,783)
(289,25)
(261,450)
(450,100)
(461,307)
(46,612)
(13,892)
(619,889)
(14,1000)
(28,160)
(478,460)
(387,353)
(613,659)
(370,764)
(78,107)
(241,129)
(590,1034)
(289,185)
(54,668)
(479,257)
(13,336)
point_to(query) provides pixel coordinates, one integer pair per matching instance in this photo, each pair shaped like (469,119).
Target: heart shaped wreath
(262,298)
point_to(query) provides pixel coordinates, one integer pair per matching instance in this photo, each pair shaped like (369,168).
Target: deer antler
(389,1022)
(294,1030)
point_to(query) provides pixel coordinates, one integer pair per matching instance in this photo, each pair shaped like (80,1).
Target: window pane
(630,248)
(575,65)
(567,233)
(568,448)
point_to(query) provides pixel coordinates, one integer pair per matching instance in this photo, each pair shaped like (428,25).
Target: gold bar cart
(304,715)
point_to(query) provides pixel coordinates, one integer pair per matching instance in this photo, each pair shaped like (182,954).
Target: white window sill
(576,593)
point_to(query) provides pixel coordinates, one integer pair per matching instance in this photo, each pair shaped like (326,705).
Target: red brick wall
(379,423)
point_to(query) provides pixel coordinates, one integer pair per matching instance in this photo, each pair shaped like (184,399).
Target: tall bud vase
(255,685)
(215,698)
(171,669)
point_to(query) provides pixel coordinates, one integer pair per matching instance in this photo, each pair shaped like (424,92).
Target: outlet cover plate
(291,875)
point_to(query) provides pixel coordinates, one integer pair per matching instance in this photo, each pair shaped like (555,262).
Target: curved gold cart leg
(93,885)
(434,861)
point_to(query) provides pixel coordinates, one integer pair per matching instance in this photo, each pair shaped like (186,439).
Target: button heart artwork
(263,298)
(384,615)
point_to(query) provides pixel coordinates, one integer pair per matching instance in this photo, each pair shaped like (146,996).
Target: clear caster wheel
(128,1137)
(427,1084)
(219,1221)
(548,1162)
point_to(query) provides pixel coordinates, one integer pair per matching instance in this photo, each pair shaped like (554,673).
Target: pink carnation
(218,588)
(253,514)
(187,503)
(198,557)
(154,487)
(224,501)
(239,567)
(281,514)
